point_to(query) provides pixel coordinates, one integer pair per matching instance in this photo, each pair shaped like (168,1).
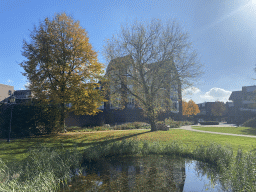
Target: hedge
(210,123)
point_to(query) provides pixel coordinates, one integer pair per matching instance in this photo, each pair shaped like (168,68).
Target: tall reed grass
(50,169)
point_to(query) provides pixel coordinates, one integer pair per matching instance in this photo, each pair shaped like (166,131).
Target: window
(131,101)
(102,106)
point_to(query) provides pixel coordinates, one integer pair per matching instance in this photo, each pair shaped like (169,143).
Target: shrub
(182,123)
(160,125)
(210,123)
(250,123)
(176,124)
(28,119)
(133,125)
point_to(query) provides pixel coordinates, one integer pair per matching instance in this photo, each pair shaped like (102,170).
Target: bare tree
(150,61)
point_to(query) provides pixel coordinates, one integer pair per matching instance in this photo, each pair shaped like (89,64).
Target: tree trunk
(152,119)
(62,117)
(153,124)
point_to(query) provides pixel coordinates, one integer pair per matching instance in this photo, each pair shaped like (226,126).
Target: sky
(223,33)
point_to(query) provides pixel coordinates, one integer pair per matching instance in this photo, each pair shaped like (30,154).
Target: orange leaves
(190,108)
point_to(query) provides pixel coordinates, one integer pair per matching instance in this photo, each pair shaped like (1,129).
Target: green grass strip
(233,130)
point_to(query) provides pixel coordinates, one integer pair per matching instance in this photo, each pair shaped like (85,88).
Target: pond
(148,173)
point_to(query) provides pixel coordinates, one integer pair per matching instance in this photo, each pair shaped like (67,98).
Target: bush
(28,120)
(183,123)
(160,125)
(133,125)
(176,124)
(125,126)
(250,123)
(210,123)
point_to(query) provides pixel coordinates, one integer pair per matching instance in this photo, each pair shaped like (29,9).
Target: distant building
(127,100)
(244,104)
(20,96)
(206,111)
(5,91)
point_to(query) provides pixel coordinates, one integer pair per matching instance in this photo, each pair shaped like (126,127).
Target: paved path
(190,128)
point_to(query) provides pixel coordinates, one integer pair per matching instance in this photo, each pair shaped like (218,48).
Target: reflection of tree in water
(152,173)
(211,171)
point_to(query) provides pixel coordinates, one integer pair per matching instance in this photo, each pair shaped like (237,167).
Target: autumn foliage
(62,67)
(189,108)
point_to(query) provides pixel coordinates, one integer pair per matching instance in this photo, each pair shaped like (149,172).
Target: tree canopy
(62,66)
(218,108)
(159,60)
(190,108)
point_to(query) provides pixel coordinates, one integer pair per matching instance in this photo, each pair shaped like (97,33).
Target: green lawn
(16,149)
(234,130)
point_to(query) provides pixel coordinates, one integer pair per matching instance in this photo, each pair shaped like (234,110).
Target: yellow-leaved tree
(190,108)
(62,67)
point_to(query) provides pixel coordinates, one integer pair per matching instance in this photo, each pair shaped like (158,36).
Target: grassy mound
(250,123)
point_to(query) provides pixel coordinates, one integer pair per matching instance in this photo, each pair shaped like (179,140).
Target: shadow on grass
(249,131)
(18,147)
(102,140)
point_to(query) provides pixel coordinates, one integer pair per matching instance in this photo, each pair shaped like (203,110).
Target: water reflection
(152,173)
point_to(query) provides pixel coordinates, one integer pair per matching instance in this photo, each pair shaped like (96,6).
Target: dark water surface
(150,173)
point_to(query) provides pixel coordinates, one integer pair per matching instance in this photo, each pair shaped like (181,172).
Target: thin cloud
(190,91)
(225,17)
(10,81)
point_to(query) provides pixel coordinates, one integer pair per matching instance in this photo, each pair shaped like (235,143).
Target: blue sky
(223,32)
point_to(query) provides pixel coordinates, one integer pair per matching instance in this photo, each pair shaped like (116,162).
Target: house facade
(21,96)
(119,97)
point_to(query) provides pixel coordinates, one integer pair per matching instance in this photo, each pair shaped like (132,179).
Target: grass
(233,130)
(18,156)
(17,149)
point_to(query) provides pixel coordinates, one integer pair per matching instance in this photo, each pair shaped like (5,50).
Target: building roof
(18,92)
(235,95)
(126,60)
(249,88)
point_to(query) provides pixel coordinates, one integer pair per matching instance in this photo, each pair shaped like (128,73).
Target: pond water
(150,173)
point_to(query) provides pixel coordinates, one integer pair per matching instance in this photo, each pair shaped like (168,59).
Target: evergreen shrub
(210,123)
(28,120)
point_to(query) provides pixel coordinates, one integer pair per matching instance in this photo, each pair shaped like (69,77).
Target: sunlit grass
(233,130)
(17,149)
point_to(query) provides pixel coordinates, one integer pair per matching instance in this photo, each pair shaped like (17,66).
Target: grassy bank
(233,130)
(49,169)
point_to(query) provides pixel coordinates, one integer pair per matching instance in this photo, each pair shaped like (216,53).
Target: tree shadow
(249,131)
(34,142)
